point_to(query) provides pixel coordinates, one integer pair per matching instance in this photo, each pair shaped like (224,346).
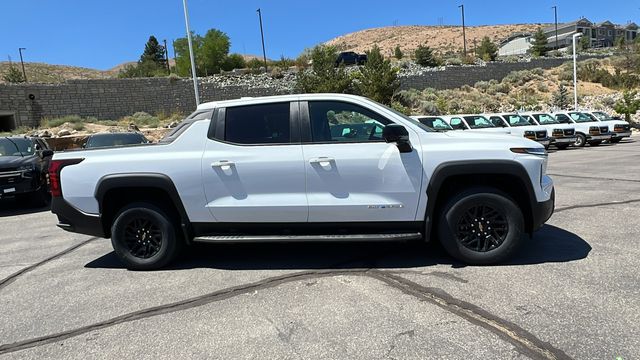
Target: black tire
(455,225)
(562,146)
(595,143)
(615,140)
(581,140)
(144,237)
(546,147)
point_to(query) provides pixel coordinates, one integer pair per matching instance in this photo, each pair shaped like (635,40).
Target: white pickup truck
(619,129)
(562,135)
(519,126)
(471,122)
(315,167)
(588,131)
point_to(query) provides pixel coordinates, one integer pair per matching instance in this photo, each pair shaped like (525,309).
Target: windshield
(579,117)
(436,123)
(516,120)
(602,116)
(16,147)
(545,119)
(478,122)
(115,140)
(413,121)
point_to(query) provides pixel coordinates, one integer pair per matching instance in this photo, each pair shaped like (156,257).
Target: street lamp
(464,36)
(264,53)
(24,73)
(555,14)
(576,36)
(193,62)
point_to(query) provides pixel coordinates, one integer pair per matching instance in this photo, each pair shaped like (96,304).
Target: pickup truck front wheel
(144,237)
(481,226)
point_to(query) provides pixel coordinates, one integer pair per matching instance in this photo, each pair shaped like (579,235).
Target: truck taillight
(55,167)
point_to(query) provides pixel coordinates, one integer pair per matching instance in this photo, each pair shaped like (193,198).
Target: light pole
(464,35)
(193,61)
(555,15)
(24,73)
(264,53)
(575,72)
(166,56)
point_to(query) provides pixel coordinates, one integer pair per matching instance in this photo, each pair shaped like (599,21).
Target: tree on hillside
(487,50)
(540,42)
(233,61)
(397,52)
(561,98)
(210,53)
(424,56)
(377,79)
(324,76)
(151,63)
(153,52)
(13,75)
(628,105)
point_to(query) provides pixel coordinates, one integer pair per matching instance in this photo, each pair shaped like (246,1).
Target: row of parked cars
(24,163)
(560,129)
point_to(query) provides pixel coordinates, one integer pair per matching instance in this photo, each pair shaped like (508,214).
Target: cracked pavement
(571,292)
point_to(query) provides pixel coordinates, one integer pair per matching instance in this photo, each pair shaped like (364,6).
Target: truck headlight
(531,151)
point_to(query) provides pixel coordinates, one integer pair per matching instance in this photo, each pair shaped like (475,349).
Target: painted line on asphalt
(523,340)
(594,178)
(620,202)
(11,278)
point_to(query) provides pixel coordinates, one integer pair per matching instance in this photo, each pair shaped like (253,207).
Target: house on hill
(604,34)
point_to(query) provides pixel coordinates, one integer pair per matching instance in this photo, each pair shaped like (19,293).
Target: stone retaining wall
(27,104)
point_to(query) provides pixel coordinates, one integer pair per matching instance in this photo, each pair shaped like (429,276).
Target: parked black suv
(351,58)
(24,163)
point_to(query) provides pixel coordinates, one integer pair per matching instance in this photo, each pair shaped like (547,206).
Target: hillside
(47,73)
(442,39)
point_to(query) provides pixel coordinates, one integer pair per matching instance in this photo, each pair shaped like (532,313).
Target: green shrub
(377,79)
(55,122)
(13,75)
(78,126)
(140,119)
(424,56)
(233,61)
(324,76)
(487,50)
(397,52)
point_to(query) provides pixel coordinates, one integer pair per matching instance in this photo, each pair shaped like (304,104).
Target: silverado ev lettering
(317,167)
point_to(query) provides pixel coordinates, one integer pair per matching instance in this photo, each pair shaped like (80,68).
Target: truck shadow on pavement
(550,244)
(14,207)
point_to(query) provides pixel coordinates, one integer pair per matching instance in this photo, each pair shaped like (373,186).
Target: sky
(102,34)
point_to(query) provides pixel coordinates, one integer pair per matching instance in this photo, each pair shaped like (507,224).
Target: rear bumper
(74,220)
(542,211)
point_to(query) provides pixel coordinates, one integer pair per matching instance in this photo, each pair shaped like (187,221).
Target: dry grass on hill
(442,39)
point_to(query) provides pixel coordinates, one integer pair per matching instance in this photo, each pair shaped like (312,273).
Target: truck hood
(12,162)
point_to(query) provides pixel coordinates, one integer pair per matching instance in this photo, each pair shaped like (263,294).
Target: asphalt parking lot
(572,292)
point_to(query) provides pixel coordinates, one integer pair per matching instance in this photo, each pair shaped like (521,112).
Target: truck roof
(277,98)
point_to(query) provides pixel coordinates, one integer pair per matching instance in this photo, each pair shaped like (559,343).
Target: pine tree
(13,75)
(424,56)
(628,106)
(324,76)
(153,51)
(561,98)
(487,50)
(397,52)
(377,79)
(540,42)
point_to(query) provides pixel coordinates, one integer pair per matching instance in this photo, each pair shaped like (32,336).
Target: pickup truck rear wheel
(144,237)
(481,226)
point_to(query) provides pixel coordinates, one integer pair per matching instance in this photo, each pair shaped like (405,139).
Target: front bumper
(542,211)
(564,140)
(598,137)
(74,220)
(16,183)
(544,141)
(619,135)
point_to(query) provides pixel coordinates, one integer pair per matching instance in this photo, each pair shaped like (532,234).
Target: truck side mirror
(398,134)
(46,153)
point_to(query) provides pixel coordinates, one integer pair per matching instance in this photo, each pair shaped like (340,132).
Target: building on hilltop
(604,34)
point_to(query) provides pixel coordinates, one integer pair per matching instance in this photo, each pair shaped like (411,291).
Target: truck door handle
(321,160)
(223,164)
